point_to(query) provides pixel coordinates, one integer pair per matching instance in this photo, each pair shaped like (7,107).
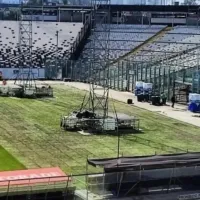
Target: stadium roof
(147,162)
(115,8)
(121,2)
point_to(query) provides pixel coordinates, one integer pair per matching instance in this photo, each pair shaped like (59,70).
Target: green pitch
(30,132)
(8,162)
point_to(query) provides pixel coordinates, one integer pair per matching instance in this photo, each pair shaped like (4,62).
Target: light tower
(93,113)
(25,77)
(100,19)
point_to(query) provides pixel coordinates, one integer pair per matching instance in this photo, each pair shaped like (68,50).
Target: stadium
(85,100)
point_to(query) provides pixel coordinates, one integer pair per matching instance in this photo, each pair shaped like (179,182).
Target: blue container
(193,107)
(138,91)
(147,91)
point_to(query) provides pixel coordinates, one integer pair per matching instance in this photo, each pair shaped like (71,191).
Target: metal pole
(87,187)
(145,73)
(150,73)
(133,77)
(118,142)
(110,79)
(56,53)
(122,75)
(59,13)
(198,89)
(117,17)
(163,90)
(136,72)
(159,79)
(173,82)
(142,19)
(193,79)
(149,19)
(168,83)
(43,10)
(114,79)
(118,75)
(8,188)
(127,76)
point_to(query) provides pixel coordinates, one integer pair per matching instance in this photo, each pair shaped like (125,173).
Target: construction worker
(173,101)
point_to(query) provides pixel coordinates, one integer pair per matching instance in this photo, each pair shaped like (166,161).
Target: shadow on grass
(154,144)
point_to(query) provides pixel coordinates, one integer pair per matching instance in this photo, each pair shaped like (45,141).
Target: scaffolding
(96,114)
(146,177)
(25,78)
(100,20)
(93,115)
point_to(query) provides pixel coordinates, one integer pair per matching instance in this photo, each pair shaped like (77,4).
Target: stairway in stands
(79,44)
(139,47)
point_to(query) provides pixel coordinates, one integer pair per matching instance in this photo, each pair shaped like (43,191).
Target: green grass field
(30,132)
(8,162)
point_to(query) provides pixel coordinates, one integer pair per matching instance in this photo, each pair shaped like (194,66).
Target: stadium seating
(175,42)
(175,50)
(122,39)
(44,42)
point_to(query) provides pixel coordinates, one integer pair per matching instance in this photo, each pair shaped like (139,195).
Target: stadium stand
(179,40)
(176,50)
(123,39)
(44,41)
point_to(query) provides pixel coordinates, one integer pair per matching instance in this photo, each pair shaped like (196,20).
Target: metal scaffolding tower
(100,20)
(25,78)
(96,115)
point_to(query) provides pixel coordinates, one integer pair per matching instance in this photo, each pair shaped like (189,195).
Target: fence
(90,186)
(33,188)
(124,74)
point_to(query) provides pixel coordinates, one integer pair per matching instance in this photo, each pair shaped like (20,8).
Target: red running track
(32,176)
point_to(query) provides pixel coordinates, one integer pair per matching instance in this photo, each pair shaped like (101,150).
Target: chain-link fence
(124,74)
(140,180)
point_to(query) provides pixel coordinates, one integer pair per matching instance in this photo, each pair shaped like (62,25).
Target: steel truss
(25,78)
(100,20)
(96,115)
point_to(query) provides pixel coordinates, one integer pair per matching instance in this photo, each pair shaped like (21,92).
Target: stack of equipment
(140,97)
(155,100)
(138,88)
(147,91)
(143,91)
